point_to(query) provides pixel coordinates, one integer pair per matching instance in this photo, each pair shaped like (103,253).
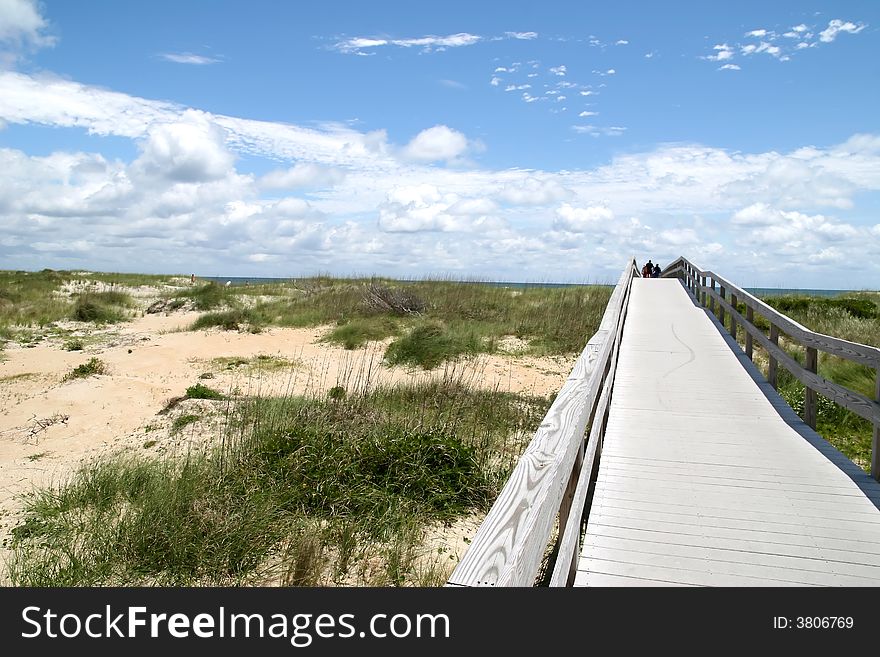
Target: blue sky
(507,141)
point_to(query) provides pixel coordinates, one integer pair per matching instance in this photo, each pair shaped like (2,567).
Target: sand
(49,426)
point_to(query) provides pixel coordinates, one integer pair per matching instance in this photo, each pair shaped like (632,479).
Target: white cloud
(189,58)
(587,93)
(437,143)
(182,203)
(836,27)
(517,87)
(621,42)
(586,113)
(22,28)
(429,43)
(302,175)
(424,208)
(757,33)
(729,67)
(534,191)
(582,220)
(527,36)
(723,52)
(558,70)
(495,81)
(768,225)
(191,150)
(453,84)
(599,131)
(650,55)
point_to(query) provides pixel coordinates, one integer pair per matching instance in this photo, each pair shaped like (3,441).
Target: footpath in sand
(49,426)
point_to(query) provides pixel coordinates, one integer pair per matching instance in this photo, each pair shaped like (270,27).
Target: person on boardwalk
(648,270)
(656,272)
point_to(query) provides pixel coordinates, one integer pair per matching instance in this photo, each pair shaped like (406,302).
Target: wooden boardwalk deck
(708,478)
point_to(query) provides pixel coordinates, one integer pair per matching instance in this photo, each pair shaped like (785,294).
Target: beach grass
(299,490)
(854,317)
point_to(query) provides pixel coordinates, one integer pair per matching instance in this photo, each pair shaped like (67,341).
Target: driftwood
(381,298)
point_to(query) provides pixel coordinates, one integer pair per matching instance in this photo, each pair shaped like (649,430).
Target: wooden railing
(554,477)
(709,289)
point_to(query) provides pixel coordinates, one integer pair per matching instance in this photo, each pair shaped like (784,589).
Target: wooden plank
(860,353)
(750,318)
(810,400)
(707,477)
(853,401)
(509,545)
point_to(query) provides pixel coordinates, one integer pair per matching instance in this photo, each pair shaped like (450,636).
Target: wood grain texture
(509,545)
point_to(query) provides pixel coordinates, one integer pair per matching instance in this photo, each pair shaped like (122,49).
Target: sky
(516,141)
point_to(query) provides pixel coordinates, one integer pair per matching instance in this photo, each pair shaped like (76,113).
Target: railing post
(720,307)
(810,399)
(750,318)
(771,369)
(703,285)
(875,443)
(712,299)
(733,317)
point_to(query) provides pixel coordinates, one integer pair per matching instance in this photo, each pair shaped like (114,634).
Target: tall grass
(300,490)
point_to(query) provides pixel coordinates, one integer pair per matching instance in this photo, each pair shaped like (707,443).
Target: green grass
(92,367)
(209,296)
(228,320)
(74,344)
(101,307)
(431,343)
(300,490)
(183,421)
(854,317)
(357,332)
(200,391)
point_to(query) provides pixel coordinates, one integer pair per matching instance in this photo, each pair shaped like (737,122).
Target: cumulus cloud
(22,28)
(582,220)
(534,191)
(768,225)
(423,207)
(191,150)
(730,67)
(437,143)
(181,202)
(558,70)
(836,27)
(527,36)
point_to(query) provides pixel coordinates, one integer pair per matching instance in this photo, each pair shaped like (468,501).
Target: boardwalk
(708,478)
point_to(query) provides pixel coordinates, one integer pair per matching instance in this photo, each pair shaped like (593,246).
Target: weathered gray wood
(858,404)
(875,443)
(569,546)
(707,477)
(721,306)
(860,353)
(732,317)
(810,400)
(569,543)
(509,545)
(711,290)
(771,368)
(750,318)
